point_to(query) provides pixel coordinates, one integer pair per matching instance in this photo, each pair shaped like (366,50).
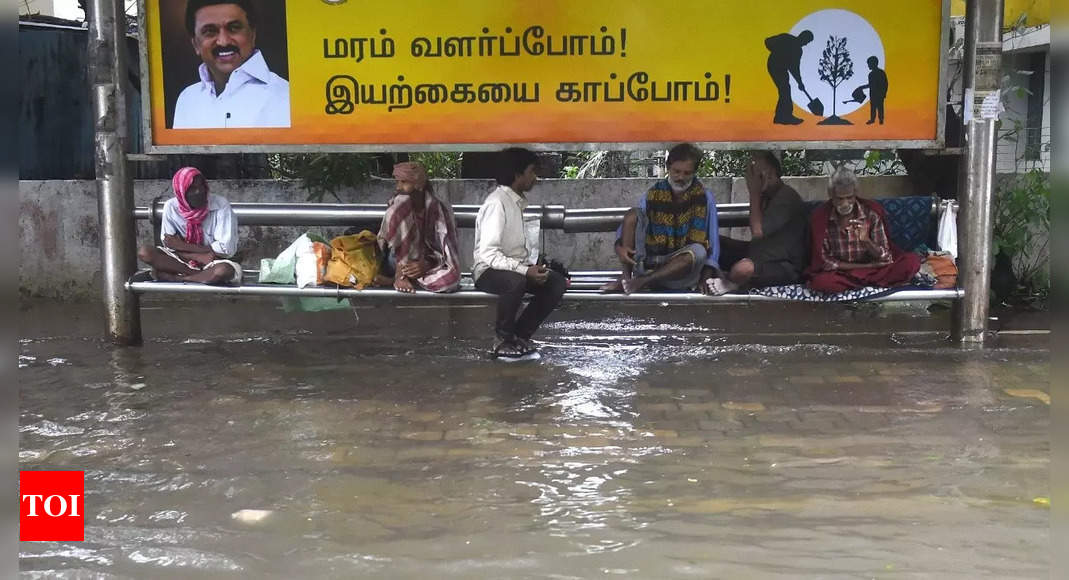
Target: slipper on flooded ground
(514,351)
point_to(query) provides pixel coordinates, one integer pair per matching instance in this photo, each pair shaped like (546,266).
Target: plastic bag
(312,258)
(354,260)
(281,270)
(947,237)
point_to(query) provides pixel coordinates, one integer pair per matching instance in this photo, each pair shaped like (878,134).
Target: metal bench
(584,286)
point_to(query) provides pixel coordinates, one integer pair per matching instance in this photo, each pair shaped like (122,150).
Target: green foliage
(881,163)
(1022,227)
(323,174)
(440,165)
(578,164)
(733,164)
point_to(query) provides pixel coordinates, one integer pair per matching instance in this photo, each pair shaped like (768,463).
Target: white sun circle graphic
(862,42)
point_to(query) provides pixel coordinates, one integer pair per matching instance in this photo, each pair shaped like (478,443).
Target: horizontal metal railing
(467,293)
(584,285)
(553,217)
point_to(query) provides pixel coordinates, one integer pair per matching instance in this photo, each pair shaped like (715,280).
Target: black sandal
(513,350)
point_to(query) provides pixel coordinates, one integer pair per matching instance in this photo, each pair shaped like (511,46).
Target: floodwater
(241,441)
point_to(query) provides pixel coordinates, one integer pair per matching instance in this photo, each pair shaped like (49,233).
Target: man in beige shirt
(505,259)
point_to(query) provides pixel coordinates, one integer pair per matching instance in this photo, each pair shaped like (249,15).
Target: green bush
(1022,228)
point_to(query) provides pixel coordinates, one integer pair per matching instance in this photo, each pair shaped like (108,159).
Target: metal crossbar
(470,294)
(584,287)
(553,217)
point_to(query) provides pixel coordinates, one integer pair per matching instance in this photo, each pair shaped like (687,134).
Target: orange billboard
(337,75)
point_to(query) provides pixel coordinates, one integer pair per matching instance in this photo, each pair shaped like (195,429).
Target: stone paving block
(898,370)
(468,452)
(720,425)
(806,379)
(654,407)
(559,431)
(705,393)
(423,435)
(867,420)
(423,416)
(689,440)
(420,453)
(751,407)
(462,434)
(594,442)
(704,406)
(845,379)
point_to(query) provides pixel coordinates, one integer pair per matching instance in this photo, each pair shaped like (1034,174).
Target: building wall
(55,118)
(42,7)
(60,239)
(1017,126)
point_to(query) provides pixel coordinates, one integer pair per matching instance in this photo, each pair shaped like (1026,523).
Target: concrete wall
(59,237)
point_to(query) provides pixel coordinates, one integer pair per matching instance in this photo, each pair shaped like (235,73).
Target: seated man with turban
(199,233)
(418,236)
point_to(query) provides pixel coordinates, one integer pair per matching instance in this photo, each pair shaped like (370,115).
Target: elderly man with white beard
(670,240)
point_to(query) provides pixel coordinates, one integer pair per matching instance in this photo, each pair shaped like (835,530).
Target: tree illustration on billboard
(836,66)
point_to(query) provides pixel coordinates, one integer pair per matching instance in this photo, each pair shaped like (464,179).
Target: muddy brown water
(241,441)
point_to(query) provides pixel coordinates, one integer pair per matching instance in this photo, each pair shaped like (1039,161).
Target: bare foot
(635,284)
(613,287)
(720,286)
(382,280)
(168,276)
(402,284)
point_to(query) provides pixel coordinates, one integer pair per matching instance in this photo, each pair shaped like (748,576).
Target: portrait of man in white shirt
(236,88)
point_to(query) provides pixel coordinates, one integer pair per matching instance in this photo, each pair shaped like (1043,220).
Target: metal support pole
(982,79)
(115,194)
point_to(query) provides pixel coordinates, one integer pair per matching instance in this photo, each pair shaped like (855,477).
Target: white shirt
(502,239)
(220,227)
(253,97)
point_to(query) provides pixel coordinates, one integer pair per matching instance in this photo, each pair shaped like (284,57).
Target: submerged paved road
(658,445)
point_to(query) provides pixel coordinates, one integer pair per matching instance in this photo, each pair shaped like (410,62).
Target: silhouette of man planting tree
(784,61)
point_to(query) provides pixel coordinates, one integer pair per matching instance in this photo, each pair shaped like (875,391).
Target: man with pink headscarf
(418,236)
(199,233)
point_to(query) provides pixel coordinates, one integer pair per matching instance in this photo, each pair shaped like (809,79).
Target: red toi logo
(51,506)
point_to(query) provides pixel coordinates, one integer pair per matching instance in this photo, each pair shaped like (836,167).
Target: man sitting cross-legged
(851,247)
(418,236)
(670,239)
(199,233)
(775,254)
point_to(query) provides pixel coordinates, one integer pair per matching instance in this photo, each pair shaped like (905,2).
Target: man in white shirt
(504,259)
(199,233)
(236,89)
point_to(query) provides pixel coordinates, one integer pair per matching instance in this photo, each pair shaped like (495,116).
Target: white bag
(306,262)
(947,237)
(280,270)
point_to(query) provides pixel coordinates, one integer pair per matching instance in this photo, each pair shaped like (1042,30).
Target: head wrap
(411,171)
(194,216)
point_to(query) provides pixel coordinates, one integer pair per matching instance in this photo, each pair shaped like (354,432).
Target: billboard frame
(151,149)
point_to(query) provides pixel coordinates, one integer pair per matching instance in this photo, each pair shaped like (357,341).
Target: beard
(845,210)
(678,187)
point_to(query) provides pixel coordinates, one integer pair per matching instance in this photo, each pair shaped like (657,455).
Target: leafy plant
(733,164)
(440,165)
(323,174)
(1022,227)
(878,162)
